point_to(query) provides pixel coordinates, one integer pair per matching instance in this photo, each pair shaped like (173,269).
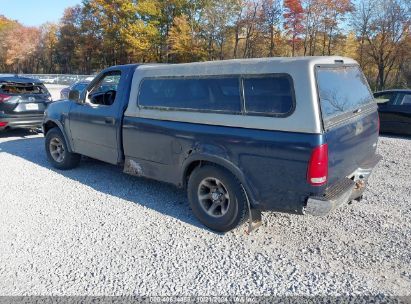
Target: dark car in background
(78,86)
(394,107)
(22,102)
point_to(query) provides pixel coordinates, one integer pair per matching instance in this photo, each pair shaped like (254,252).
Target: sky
(35,12)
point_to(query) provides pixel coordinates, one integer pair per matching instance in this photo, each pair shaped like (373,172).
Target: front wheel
(217,198)
(57,152)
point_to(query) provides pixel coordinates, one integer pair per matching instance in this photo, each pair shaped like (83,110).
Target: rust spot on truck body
(133,168)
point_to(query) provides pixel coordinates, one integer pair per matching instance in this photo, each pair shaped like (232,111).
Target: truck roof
(235,63)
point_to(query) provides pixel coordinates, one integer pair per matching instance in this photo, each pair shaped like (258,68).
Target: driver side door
(93,120)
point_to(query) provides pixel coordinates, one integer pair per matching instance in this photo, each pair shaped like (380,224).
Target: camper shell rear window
(342,90)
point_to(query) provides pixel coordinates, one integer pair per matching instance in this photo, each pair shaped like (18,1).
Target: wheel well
(48,126)
(190,170)
(199,163)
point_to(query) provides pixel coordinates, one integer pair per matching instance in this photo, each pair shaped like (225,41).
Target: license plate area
(31,107)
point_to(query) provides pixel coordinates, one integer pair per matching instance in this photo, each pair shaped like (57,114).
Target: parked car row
(241,136)
(48,79)
(59,78)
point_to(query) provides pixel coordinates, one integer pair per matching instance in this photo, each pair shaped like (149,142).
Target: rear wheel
(57,152)
(217,198)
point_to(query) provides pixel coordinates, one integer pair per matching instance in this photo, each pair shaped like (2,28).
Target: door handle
(109,120)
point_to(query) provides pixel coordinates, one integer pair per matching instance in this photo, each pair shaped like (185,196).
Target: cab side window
(104,90)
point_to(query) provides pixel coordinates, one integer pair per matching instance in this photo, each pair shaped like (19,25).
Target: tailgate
(350,119)
(351,145)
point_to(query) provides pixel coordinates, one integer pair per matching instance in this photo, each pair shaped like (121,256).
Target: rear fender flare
(222,162)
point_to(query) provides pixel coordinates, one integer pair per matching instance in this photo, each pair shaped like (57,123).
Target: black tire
(69,160)
(224,218)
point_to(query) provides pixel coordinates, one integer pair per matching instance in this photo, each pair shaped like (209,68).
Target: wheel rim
(213,197)
(57,149)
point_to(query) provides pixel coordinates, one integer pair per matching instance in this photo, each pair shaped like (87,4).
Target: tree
(250,27)
(21,44)
(142,36)
(360,22)
(218,16)
(48,43)
(69,36)
(293,16)
(6,25)
(312,21)
(114,17)
(333,14)
(389,26)
(169,9)
(184,45)
(270,18)
(91,47)
(238,25)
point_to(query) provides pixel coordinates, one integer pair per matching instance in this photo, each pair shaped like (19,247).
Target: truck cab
(92,121)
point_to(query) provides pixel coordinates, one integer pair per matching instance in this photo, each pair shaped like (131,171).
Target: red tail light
(317,172)
(4,97)
(3,124)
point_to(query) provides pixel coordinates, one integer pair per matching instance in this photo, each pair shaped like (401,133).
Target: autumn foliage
(293,17)
(100,33)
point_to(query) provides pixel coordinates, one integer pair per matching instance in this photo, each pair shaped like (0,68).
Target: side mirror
(74,95)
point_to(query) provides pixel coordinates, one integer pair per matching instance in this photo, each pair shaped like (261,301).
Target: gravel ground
(96,231)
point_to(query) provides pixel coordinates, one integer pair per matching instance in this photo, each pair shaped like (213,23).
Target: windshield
(341,90)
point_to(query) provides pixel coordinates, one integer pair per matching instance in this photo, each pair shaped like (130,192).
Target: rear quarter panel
(273,164)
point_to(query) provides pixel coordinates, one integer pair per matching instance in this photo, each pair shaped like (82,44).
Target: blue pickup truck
(294,135)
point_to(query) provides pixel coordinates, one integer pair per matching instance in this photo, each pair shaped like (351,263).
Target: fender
(57,113)
(62,129)
(223,162)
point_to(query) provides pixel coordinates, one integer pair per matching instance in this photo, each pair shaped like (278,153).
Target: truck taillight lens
(317,172)
(3,124)
(4,97)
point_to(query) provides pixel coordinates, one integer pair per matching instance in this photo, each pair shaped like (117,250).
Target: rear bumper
(20,121)
(349,189)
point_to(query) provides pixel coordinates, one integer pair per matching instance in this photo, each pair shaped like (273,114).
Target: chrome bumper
(351,188)
(323,205)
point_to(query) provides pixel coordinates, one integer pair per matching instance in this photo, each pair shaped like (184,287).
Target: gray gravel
(96,231)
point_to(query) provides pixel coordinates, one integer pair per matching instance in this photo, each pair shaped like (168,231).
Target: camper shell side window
(265,94)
